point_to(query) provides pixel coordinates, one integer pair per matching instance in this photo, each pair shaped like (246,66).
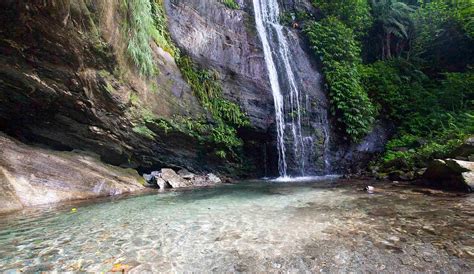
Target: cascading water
(290,112)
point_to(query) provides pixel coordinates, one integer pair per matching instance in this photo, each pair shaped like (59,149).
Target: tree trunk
(388,46)
(383,47)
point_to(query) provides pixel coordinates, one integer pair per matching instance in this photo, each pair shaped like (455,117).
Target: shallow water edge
(250,226)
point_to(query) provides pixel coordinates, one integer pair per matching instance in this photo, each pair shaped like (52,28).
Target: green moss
(145,131)
(231,4)
(134,99)
(227,115)
(154,88)
(109,88)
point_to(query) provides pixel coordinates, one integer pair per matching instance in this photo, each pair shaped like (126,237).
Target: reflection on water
(253,226)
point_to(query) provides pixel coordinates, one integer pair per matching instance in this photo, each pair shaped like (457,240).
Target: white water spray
(270,31)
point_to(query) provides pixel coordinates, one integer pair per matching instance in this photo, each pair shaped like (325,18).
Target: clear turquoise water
(253,226)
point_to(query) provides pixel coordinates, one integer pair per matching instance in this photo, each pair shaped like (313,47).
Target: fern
(146,22)
(339,52)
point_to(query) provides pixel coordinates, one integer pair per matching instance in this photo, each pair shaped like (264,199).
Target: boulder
(465,150)
(32,176)
(162,184)
(369,189)
(451,174)
(150,180)
(173,179)
(206,180)
(213,179)
(186,174)
(200,181)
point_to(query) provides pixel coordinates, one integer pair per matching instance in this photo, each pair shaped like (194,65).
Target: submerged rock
(369,189)
(31,176)
(451,174)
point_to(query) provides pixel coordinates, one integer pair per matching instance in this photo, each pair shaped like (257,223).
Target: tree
(394,20)
(354,13)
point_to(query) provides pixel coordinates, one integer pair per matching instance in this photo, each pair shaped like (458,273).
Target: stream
(326,225)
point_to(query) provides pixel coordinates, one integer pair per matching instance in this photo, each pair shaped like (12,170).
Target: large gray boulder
(213,178)
(451,174)
(206,180)
(186,174)
(162,184)
(172,178)
(32,176)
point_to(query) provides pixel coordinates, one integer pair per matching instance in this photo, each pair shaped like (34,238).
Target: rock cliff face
(226,40)
(67,84)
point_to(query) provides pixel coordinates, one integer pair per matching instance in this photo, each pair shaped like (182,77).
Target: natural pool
(260,226)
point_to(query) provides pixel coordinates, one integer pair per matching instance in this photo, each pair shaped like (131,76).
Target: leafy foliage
(145,20)
(339,52)
(139,27)
(432,116)
(354,13)
(207,88)
(442,37)
(231,4)
(160,33)
(420,76)
(408,151)
(394,20)
(227,115)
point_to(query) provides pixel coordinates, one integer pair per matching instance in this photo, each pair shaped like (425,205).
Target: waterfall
(288,101)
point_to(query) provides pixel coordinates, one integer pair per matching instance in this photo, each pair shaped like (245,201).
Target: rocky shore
(167,178)
(32,176)
(454,174)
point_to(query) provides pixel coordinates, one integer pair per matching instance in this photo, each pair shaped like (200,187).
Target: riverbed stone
(451,174)
(162,184)
(172,178)
(150,180)
(186,174)
(213,178)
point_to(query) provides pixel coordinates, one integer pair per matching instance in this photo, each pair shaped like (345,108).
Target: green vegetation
(227,116)
(339,53)
(145,21)
(207,88)
(432,115)
(409,62)
(231,4)
(354,13)
(393,21)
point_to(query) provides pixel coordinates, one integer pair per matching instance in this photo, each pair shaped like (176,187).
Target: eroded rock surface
(451,174)
(172,178)
(66,82)
(31,176)
(168,178)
